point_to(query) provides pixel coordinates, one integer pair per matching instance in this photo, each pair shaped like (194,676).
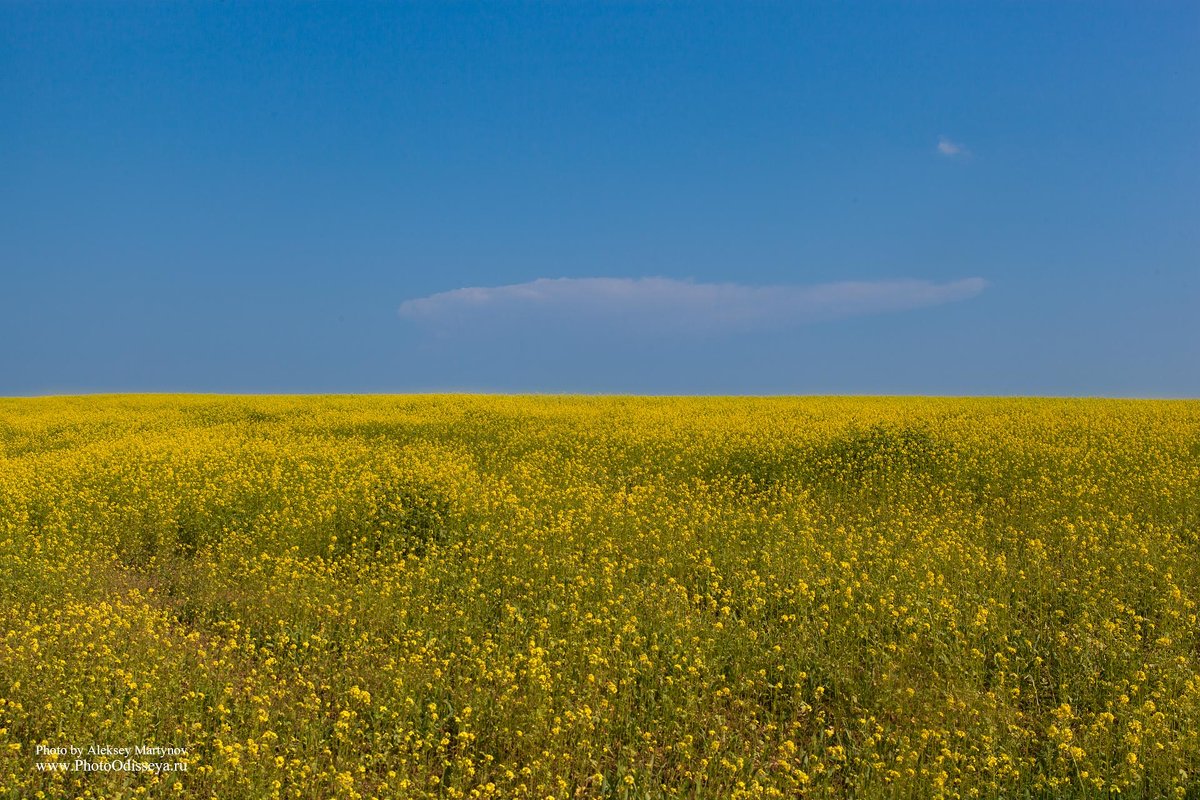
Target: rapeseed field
(567,597)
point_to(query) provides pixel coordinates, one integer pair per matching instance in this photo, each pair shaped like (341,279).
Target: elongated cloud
(665,304)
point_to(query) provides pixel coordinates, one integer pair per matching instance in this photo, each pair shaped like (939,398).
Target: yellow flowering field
(569,597)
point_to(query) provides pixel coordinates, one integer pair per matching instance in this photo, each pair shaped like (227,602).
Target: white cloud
(952,149)
(665,304)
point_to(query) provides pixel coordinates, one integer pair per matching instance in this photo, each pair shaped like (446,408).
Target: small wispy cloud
(666,304)
(952,149)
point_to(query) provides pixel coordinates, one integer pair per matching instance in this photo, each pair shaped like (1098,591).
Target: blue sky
(648,198)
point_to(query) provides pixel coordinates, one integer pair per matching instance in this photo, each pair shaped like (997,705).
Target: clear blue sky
(648,198)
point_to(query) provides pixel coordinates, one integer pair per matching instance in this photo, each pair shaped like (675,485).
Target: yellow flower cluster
(565,597)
